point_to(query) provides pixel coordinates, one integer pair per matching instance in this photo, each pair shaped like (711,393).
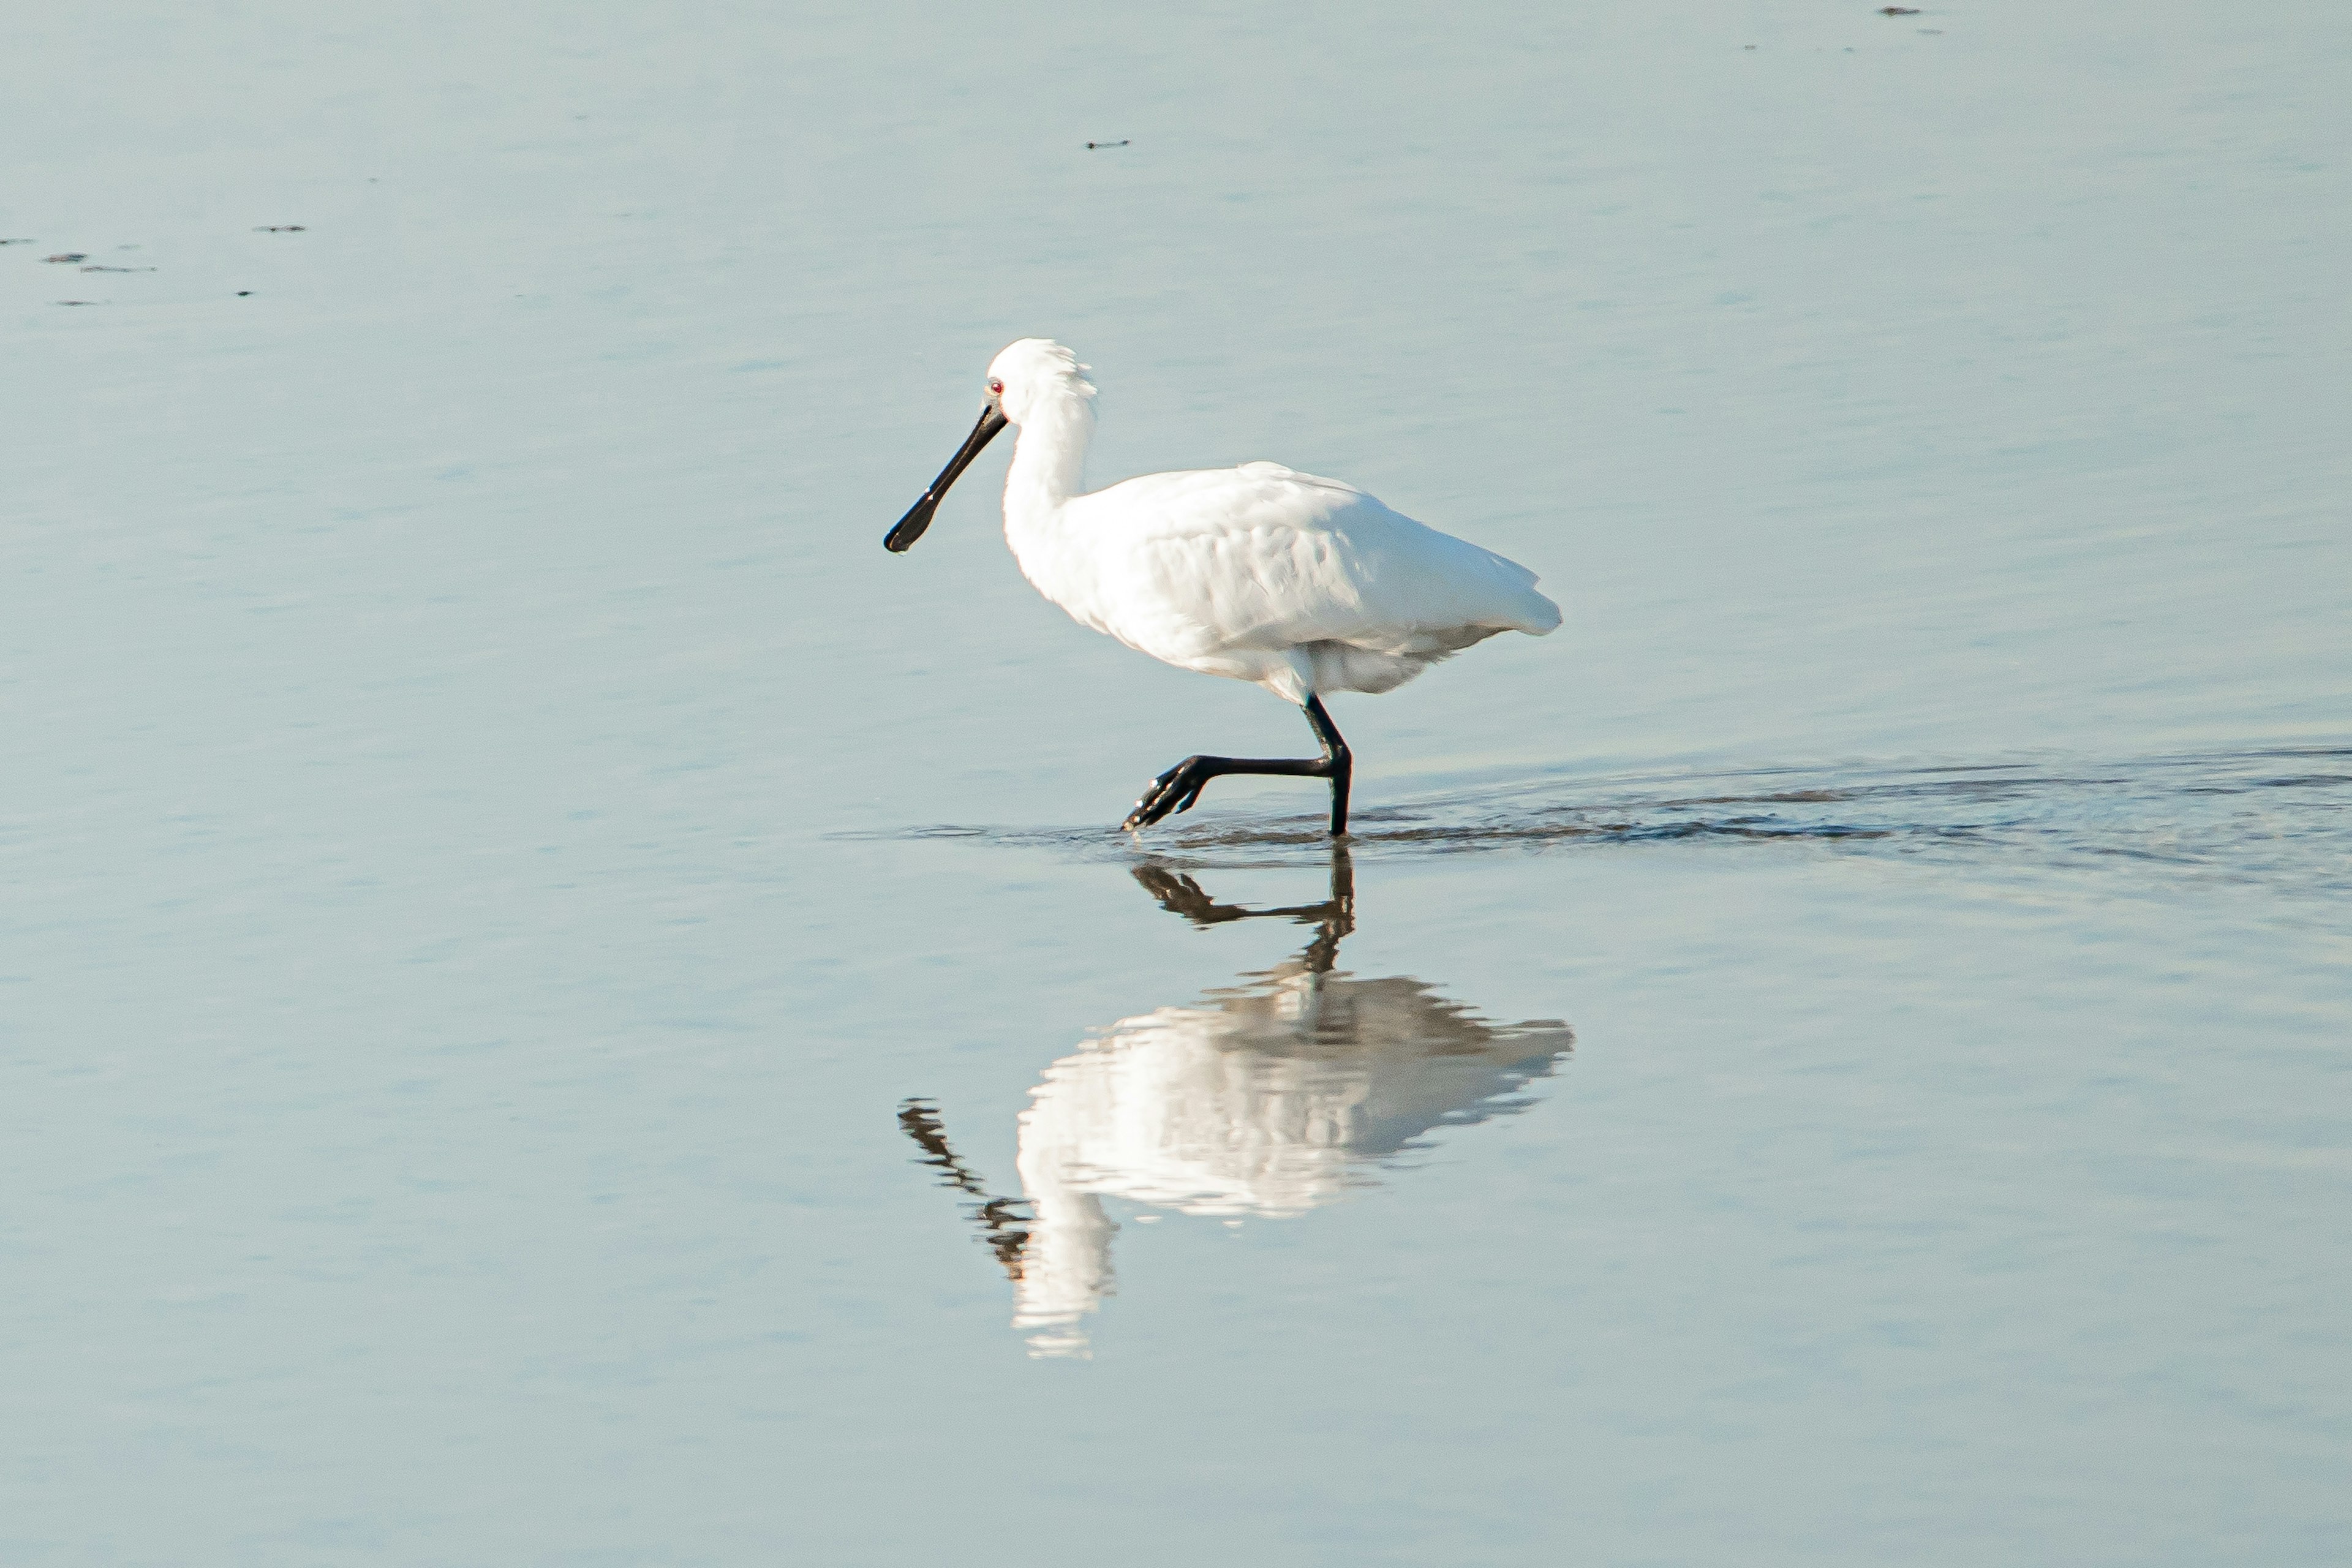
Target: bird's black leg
(1177,789)
(1340,762)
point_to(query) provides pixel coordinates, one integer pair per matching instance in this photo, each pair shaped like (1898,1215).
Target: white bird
(1303,586)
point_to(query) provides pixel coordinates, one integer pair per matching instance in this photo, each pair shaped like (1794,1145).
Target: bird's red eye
(996,388)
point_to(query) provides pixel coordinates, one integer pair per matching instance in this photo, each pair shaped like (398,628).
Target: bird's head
(1030,374)
(1024,381)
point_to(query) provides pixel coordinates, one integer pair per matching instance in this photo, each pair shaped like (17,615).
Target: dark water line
(2239,818)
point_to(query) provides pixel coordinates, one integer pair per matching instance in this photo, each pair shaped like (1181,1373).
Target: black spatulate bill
(910,526)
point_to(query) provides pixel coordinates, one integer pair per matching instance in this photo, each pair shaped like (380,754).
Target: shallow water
(560,1006)
(2275,817)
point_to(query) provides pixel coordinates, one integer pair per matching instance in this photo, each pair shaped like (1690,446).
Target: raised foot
(1174,791)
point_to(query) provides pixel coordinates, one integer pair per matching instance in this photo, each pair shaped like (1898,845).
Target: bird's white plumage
(1301,584)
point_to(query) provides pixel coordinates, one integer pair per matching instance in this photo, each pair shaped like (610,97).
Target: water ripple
(2278,818)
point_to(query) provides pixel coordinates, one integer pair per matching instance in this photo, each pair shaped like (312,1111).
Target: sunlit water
(559,1006)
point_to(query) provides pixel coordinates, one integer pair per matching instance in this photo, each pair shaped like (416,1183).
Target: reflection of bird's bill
(909,528)
(1003,1222)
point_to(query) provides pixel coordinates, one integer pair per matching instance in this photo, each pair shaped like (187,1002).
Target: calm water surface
(561,1006)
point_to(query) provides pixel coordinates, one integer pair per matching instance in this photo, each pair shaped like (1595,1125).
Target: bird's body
(1303,586)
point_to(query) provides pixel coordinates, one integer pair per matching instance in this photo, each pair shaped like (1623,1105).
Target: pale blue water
(1840,1055)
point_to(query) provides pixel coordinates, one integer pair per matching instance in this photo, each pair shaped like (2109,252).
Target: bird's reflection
(1266,1098)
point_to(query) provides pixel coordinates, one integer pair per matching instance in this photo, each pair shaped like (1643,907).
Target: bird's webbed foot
(1174,791)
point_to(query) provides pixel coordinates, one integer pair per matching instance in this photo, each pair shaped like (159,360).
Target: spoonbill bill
(1300,585)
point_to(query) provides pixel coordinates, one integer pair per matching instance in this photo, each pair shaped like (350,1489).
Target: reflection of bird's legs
(1177,789)
(1340,915)
(1181,895)
(1001,1225)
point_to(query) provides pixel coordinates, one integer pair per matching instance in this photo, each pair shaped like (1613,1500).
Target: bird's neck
(1049,459)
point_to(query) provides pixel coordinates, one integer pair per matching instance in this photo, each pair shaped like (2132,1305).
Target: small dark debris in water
(77,301)
(97,267)
(245,293)
(1749,46)
(1093,146)
(1899,10)
(15,242)
(278,228)
(69,256)
(1932,32)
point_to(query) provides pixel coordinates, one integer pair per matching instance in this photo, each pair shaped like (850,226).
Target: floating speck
(1096,146)
(69,256)
(278,228)
(99,266)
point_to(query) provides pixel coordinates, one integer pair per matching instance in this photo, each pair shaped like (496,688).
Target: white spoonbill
(1260,574)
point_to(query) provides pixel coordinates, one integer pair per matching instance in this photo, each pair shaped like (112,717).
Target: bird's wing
(1262,556)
